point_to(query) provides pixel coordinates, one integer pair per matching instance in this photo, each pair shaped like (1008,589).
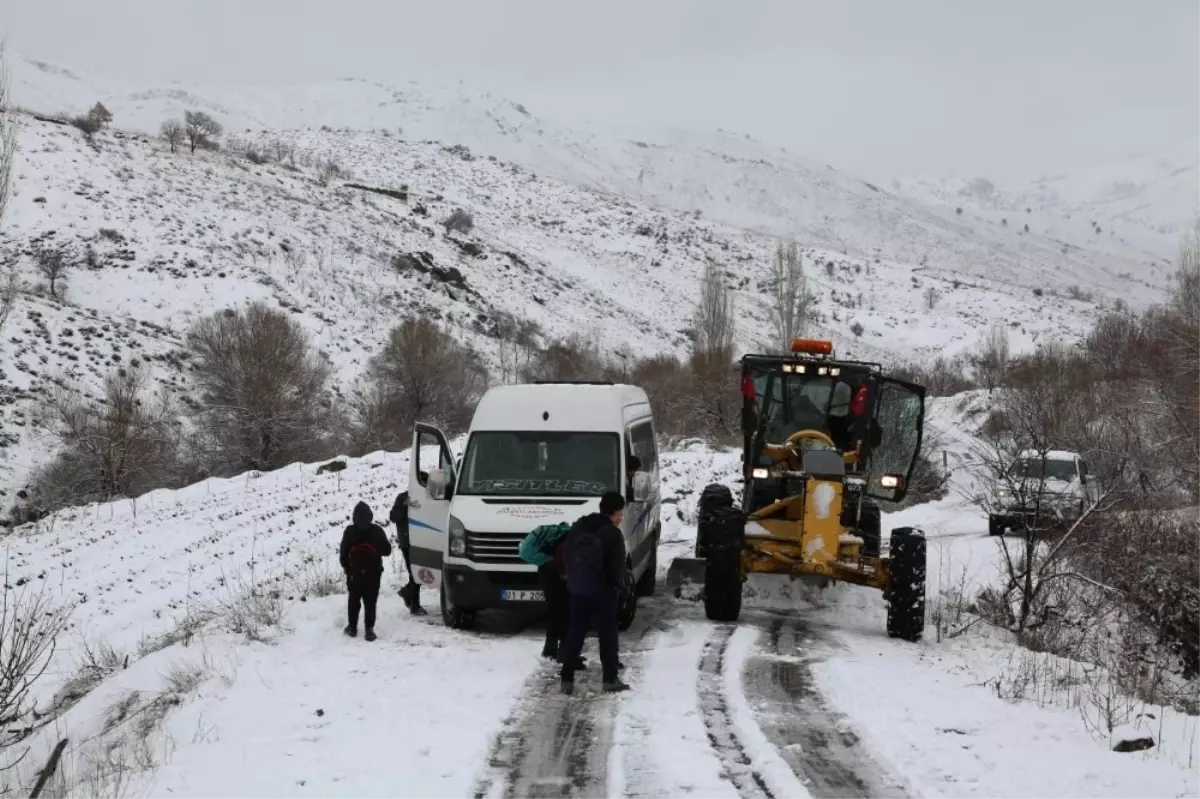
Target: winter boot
(550,650)
(417,610)
(615,686)
(568,687)
(350,631)
(370,634)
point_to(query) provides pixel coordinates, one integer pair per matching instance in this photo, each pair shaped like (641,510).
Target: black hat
(611,502)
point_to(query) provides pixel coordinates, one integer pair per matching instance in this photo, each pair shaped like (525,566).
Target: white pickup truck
(1057,484)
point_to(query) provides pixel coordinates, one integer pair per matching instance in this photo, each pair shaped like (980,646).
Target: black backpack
(584,561)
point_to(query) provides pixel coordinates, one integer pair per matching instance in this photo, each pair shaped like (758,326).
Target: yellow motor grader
(824,441)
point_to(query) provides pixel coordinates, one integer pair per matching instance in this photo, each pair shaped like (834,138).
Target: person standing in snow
(410,593)
(364,546)
(594,556)
(541,548)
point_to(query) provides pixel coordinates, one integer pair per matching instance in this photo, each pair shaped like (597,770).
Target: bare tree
(100,116)
(713,322)
(992,363)
(8,135)
(264,401)
(517,342)
(422,374)
(713,406)
(201,130)
(1186,297)
(10,286)
(790,298)
(172,133)
(53,260)
(122,446)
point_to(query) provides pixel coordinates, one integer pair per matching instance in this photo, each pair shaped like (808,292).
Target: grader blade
(685,576)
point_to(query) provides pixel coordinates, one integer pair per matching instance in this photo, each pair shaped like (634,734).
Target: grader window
(899,412)
(803,402)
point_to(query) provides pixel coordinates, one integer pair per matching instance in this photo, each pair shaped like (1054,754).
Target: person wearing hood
(364,546)
(594,559)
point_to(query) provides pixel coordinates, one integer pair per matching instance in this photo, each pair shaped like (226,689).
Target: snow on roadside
(929,718)
(318,713)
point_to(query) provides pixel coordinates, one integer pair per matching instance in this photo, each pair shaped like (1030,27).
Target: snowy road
(766,732)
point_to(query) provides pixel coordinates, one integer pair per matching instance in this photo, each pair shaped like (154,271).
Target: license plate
(522,596)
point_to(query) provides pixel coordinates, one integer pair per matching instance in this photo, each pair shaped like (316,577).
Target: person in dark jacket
(595,566)
(364,546)
(410,593)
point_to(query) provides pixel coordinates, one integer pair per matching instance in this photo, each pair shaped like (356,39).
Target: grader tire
(715,498)
(722,587)
(906,585)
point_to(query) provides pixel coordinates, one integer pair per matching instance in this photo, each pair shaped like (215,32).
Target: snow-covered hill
(724,176)
(1144,203)
(172,237)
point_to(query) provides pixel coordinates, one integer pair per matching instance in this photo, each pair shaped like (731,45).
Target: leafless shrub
(30,624)
(329,170)
(942,376)
(123,446)
(8,135)
(422,374)
(264,399)
(459,221)
(186,628)
(53,260)
(250,610)
(98,660)
(667,382)
(790,298)
(201,130)
(575,358)
(1044,414)
(319,577)
(86,125)
(172,133)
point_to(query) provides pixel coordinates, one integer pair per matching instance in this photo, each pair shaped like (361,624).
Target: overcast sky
(1003,88)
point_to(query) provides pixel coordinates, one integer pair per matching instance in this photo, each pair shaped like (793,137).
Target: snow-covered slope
(176,236)
(1144,203)
(728,177)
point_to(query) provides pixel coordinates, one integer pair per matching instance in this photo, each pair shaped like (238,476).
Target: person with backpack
(594,562)
(410,593)
(364,546)
(542,548)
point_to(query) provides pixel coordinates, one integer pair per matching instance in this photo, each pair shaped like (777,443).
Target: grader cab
(824,441)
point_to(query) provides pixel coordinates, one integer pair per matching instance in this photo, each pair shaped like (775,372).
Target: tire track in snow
(820,746)
(554,745)
(719,722)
